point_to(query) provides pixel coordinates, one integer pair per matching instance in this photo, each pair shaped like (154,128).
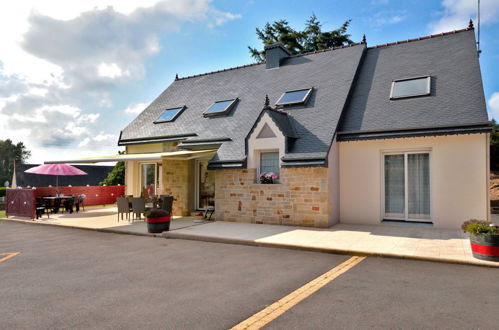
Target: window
(410,87)
(407,186)
(149,179)
(220,107)
(169,115)
(294,97)
(269,162)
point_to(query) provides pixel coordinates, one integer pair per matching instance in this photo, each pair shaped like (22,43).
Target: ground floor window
(205,186)
(407,186)
(149,179)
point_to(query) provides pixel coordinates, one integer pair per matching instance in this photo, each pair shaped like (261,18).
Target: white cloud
(494,106)
(135,109)
(457,13)
(110,70)
(387,17)
(63,63)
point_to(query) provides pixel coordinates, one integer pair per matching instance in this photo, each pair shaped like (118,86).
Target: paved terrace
(402,241)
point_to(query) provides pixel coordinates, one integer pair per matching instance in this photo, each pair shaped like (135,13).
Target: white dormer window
(294,97)
(410,87)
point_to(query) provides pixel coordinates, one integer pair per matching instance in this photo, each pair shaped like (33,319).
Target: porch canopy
(177,155)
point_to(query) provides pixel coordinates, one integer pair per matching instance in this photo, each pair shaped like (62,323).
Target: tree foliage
(116,176)
(10,153)
(312,38)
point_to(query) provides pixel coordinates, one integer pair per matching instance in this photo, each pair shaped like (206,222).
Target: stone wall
(176,179)
(300,199)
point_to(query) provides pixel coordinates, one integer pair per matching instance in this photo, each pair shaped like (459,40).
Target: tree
(10,153)
(312,38)
(117,175)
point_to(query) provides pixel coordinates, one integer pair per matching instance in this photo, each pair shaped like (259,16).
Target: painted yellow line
(8,255)
(270,313)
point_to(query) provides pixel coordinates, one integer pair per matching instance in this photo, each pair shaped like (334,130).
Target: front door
(407,186)
(205,186)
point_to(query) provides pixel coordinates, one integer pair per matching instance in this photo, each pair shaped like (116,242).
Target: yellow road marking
(8,255)
(270,313)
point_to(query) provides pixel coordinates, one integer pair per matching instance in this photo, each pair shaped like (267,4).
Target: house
(356,134)
(95,175)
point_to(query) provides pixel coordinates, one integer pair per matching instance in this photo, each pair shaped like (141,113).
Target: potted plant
(158,221)
(484,239)
(268,178)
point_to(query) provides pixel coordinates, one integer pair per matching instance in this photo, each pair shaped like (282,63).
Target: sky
(73,74)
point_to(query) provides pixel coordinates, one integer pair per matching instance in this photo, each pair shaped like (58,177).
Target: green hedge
(2,191)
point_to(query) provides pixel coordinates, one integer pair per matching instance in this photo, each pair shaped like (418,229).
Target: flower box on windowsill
(268,178)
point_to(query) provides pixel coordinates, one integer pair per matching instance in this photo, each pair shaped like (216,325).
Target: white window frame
(428,87)
(196,183)
(156,182)
(259,159)
(303,101)
(405,152)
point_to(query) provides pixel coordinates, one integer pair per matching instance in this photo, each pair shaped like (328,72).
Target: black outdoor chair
(68,204)
(123,208)
(138,207)
(40,208)
(166,203)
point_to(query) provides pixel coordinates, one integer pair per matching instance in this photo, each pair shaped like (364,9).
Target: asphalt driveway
(70,278)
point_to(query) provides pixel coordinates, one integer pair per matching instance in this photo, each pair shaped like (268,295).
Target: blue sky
(73,74)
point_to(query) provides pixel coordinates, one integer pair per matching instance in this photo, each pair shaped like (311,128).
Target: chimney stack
(274,54)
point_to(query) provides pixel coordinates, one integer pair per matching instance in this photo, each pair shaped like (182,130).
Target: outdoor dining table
(52,198)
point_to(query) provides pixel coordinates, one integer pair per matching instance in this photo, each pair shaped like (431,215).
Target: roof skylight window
(410,87)
(169,115)
(220,107)
(294,97)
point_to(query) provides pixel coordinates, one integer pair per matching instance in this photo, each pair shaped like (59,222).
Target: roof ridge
(263,62)
(421,38)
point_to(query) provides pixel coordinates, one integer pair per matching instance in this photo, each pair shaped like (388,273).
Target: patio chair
(40,208)
(123,207)
(138,207)
(81,200)
(68,204)
(166,203)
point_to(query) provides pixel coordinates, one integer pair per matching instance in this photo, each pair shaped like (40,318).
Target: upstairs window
(220,108)
(410,87)
(294,97)
(269,164)
(169,115)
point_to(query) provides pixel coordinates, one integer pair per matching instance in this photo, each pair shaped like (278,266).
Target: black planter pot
(158,225)
(485,246)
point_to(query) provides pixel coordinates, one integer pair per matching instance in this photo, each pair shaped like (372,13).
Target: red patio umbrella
(55,169)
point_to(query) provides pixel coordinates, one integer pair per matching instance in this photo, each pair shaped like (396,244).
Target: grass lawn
(2,214)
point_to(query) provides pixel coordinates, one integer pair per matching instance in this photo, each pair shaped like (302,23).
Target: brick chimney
(274,54)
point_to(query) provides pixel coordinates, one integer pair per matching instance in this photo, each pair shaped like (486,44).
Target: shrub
(475,226)
(156,213)
(2,191)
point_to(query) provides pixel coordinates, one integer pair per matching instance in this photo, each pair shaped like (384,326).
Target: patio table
(52,198)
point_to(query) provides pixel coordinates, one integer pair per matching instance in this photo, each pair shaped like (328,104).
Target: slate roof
(351,98)
(96,174)
(314,123)
(456,98)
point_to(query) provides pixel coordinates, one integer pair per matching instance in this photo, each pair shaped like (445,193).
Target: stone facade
(300,199)
(176,182)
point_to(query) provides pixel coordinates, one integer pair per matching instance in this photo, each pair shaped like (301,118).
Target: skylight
(294,97)
(169,115)
(410,87)
(220,107)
